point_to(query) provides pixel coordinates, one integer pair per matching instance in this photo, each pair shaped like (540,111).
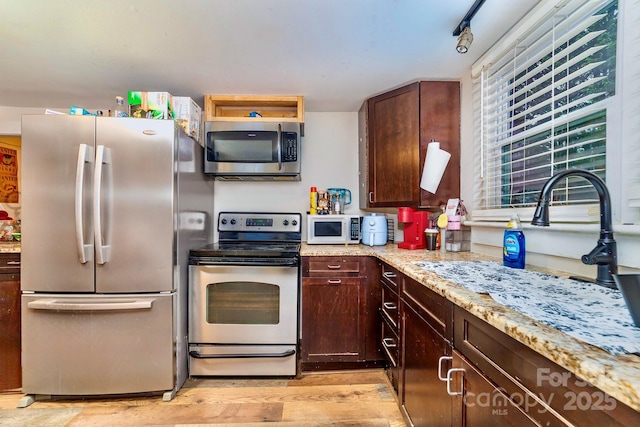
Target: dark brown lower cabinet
(331,323)
(480,403)
(543,390)
(339,322)
(426,331)
(10,338)
(425,400)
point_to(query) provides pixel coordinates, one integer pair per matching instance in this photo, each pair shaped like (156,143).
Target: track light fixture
(464,41)
(464,28)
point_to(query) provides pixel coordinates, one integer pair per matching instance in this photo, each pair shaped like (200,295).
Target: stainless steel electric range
(243,297)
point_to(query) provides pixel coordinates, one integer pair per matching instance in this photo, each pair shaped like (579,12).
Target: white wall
(329,159)
(10,118)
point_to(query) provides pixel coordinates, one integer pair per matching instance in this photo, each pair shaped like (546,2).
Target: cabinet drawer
(391,277)
(435,309)
(515,367)
(322,266)
(389,307)
(10,263)
(336,280)
(390,343)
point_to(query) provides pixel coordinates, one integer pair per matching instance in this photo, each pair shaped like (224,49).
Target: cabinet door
(440,121)
(425,398)
(331,319)
(479,402)
(371,317)
(389,148)
(10,366)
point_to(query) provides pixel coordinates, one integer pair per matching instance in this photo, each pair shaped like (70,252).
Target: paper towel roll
(434,165)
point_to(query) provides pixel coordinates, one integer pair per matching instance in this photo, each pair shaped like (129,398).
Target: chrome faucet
(605,253)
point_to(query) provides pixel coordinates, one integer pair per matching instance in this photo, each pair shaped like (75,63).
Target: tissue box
(150,105)
(188,114)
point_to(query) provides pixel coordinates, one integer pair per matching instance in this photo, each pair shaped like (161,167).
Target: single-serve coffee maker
(414,223)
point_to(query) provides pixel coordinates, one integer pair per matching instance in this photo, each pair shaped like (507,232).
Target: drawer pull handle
(455,393)
(389,306)
(389,343)
(334,267)
(389,275)
(334,281)
(13,262)
(442,359)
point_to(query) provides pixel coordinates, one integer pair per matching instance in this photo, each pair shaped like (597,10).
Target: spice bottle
(313,201)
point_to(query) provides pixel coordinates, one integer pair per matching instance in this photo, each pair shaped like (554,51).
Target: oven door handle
(197,355)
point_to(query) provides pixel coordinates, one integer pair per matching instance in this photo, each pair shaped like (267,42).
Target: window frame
(611,105)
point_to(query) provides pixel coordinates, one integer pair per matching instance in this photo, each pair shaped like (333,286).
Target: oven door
(243,304)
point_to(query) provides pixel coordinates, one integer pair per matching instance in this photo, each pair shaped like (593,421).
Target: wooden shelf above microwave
(237,108)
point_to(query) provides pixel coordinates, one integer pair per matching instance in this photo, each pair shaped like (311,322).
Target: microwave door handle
(279,146)
(85,155)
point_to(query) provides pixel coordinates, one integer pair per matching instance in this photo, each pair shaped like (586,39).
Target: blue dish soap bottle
(513,247)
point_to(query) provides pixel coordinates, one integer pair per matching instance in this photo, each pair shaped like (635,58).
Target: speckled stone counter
(619,376)
(10,247)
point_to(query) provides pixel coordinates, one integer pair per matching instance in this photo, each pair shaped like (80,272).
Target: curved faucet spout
(605,252)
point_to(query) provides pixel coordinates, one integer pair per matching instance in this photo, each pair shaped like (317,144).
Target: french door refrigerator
(110,209)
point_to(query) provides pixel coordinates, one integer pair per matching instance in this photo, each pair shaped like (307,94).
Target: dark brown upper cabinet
(394,129)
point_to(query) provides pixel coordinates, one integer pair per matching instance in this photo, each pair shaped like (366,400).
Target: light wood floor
(348,398)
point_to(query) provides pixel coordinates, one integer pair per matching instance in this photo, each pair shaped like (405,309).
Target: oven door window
(243,303)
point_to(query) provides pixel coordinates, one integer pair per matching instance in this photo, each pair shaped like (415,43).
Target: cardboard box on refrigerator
(188,114)
(150,105)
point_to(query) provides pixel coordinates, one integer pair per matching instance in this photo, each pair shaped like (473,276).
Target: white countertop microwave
(252,151)
(333,229)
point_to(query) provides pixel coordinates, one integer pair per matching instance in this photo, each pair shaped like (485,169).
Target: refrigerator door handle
(102,237)
(85,249)
(61,305)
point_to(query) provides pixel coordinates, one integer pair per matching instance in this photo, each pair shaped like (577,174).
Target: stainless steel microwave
(260,151)
(333,229)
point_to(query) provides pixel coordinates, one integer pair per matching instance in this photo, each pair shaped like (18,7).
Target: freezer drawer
(94,345)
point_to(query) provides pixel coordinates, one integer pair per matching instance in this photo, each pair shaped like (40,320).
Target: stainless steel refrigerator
(110,209)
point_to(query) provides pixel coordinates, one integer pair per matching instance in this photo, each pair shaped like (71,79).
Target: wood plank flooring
(347,398)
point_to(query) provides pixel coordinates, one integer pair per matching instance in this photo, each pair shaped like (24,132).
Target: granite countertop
(616,374)
(10,247)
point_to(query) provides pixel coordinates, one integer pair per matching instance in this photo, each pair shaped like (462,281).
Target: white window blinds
(540,106)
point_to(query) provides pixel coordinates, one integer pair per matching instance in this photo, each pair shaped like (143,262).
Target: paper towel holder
(435,163)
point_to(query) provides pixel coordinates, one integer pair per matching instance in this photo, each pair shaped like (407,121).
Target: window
(541,104)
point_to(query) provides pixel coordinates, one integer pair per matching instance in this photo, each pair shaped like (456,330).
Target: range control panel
(266,221)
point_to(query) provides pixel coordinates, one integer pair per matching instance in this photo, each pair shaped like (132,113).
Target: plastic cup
(431,238)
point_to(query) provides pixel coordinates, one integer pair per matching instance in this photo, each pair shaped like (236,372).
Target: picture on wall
(9,191)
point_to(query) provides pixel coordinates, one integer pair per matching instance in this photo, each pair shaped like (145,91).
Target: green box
(150,105)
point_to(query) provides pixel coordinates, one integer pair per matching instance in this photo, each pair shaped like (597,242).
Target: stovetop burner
(258,249)
(253,238)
